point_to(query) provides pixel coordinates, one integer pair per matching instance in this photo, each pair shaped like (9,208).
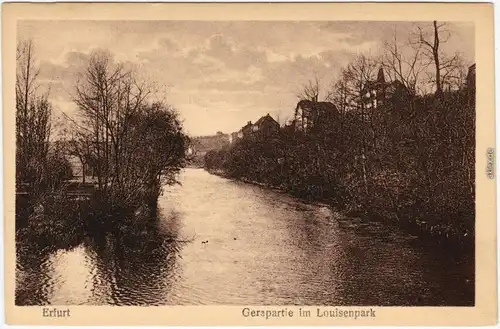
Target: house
(379,92)
(246,130)
(266,126)
(289,127)
(312,115)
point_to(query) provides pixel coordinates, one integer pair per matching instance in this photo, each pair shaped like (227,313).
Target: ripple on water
(264,247)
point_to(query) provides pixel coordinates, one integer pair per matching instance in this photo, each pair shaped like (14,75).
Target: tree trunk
(435,52)
(83,171)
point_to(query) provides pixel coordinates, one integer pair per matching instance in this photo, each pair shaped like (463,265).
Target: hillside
(203,144)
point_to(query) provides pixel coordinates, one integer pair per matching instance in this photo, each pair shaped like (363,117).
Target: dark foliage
(410,162)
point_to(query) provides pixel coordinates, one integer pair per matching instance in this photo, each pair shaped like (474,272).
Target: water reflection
(215,241)
(33,277)
(131,265)
(134,267)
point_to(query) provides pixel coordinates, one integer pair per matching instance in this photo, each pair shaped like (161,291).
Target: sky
(218,75)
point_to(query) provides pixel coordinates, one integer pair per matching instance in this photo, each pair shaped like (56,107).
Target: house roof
(325,106)
(320,106)
(377,85)
(249,124)
(265,118)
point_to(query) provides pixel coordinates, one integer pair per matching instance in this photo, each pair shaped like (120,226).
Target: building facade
(265,127)
(377,93)
(311,115)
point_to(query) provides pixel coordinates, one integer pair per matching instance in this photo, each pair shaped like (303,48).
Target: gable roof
(320,106)
(265,118)
(326,106)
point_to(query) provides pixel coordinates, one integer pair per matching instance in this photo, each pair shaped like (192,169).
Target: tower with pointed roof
(381,76)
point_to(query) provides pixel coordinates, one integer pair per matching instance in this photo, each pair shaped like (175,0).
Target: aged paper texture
(249,164)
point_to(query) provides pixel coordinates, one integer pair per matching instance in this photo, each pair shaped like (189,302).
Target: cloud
(232,71)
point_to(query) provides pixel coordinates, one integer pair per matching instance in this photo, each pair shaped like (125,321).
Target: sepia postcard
(249,164)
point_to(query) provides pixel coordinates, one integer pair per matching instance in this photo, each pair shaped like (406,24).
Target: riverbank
(440,236)
(264,248)
(56,220)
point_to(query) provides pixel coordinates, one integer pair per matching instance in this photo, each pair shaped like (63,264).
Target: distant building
(289,127)
(234,137)
(379,92)
(247,129)
(313,115)
(266,126)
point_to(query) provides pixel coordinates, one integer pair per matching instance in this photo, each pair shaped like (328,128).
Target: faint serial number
(490,165)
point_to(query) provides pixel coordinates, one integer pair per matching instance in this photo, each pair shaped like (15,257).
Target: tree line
(409,161)
(130,142)
(38,163)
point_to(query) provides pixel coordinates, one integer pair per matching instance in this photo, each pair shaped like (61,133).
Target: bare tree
(404,62)
(356,76)
(107,95)
(278,116)
(78,143)
(454,76)
(33,117)
(133,145)
(26,74)
(338,95)
(310,91)
(431,41)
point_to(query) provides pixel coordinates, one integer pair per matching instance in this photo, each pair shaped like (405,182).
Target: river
(218,241)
